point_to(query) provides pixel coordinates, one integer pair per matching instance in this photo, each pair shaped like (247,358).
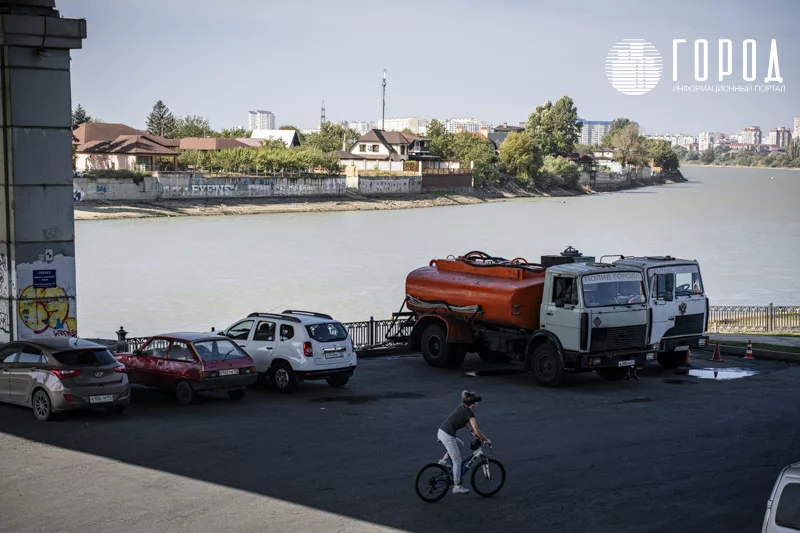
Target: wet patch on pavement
(722,373)
(363,398)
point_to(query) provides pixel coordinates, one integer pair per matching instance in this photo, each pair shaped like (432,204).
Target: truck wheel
(488,356)
(612,374)
(546,365)
(671,359)
(437,351)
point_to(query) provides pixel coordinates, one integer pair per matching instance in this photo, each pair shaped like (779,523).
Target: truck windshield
(687,278)
(613,288)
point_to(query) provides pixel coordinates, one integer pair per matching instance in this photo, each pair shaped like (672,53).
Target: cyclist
(461,417)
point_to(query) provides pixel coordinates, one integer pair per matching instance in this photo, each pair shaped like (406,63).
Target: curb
(373,353)
(769,355)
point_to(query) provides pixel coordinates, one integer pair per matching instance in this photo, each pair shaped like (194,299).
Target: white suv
(295,346)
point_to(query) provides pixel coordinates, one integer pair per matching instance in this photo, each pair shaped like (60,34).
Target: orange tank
(507,295)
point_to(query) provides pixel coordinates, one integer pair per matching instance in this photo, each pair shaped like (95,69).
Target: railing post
(771,318)
(371,336)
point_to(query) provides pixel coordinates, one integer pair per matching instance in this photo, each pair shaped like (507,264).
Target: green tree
(441,140)
(629,147)
(562,172)
(707,156)
(555,127)
(79,116)
(235,133)
(663,155)
(585,149)
(331,137)
(193,126)
(617,125)
(160,121)
(520,155)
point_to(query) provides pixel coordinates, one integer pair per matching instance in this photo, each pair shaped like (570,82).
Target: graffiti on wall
(4,276)
(213,189)
(77,195)
(46,305)
(101,189)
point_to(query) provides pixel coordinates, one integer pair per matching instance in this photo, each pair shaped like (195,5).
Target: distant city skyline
(215,78)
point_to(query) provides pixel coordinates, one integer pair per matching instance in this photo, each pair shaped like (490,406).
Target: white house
(289,137)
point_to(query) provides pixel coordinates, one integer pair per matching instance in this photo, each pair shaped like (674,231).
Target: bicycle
(434,480)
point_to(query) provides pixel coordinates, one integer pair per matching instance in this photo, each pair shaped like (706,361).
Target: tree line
(723,155)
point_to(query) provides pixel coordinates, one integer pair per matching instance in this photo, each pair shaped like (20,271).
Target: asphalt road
(668,452)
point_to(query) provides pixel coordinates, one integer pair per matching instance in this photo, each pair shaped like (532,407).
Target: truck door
(662,304)
(562,314)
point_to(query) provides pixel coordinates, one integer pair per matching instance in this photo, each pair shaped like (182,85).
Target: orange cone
(749,353)
(688,361)
(717,356)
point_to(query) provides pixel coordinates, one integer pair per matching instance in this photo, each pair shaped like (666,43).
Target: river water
(168,274)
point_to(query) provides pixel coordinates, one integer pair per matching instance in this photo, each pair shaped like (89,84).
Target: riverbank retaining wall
(189,185)
(383,185)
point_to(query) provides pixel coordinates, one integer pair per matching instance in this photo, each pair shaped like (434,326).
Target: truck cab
(678,305)
(598,314)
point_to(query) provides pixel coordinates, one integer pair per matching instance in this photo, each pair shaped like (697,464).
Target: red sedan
(188,363)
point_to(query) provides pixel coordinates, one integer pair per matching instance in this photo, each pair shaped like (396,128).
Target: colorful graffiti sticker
(43,309)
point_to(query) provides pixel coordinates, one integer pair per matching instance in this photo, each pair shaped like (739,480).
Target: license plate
(334,355)
(630,362)
(681,348)
(230,372)
(101,399)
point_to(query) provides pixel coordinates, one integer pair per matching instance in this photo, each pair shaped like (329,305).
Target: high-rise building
(780,137)
(593,131)
(261,120)
(709,139)
(751,135)
(473,125)
(400,124)
(796,132)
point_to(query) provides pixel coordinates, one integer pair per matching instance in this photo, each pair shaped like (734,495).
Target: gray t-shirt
(457,420)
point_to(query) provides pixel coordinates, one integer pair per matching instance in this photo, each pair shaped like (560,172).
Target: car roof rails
(309,313)
(273,315)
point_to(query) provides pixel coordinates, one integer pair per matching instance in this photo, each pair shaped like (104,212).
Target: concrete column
(37,231)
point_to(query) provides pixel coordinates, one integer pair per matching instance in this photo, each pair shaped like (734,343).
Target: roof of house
(127,144)
(289,137)
(247,141)
(211,143)
(100,131)
(390,137)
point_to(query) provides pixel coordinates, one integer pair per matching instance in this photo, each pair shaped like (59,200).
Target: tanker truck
(678,307)
(563,319)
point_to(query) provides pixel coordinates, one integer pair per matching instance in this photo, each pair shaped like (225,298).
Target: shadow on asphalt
(366,441)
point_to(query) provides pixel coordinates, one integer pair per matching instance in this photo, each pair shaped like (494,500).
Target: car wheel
(547,367)
(338,381)
(42,406)
(185,393)
(116,409)
(439,353)
(283,378)
(237,394)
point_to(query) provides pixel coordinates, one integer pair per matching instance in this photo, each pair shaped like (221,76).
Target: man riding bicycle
(461,417)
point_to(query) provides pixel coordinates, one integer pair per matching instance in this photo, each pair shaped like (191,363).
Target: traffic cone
(688,360)
(717,356)
(749,353)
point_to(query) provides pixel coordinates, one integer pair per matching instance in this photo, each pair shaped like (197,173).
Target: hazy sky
(495,60)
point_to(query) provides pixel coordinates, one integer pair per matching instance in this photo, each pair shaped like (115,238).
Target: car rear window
(85,358)
(221,350)
(788,513)
(328,332)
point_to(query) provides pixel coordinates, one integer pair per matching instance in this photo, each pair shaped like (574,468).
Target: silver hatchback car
(51,375)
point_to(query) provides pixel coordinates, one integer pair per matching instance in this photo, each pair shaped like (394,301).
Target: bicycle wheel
(488,477)
(432,483)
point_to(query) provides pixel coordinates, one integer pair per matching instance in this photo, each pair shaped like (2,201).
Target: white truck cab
(678,305)
(783,506)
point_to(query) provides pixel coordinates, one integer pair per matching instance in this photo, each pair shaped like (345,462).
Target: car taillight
(308,351)
(61,374)
(121,369)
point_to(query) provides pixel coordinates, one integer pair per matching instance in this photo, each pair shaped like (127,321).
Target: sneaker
(445,464)
(460,489)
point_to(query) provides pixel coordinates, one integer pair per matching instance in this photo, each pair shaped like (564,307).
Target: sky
(492,60)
